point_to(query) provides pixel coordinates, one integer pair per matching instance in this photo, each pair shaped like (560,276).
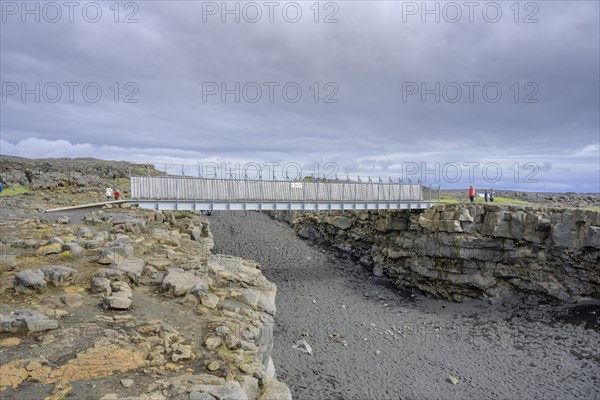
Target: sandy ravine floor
(373,341)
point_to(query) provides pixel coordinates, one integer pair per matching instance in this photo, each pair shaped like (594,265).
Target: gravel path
(403,346)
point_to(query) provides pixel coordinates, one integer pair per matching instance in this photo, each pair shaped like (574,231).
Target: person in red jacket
(471,193)
(117,195)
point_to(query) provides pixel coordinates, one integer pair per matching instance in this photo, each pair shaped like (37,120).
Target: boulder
(133,268)
(84,232)
(167,238)
(150,271)
(56,239)
(92,243)
(342,223)
(58,275)
(177,282)
(54,248)
(209,300)
(182,352)
(274,390)
(108,255)
(250,386)
(120,287)
(92,220)
(29,280)
(12,241)
(201,396)
(101,285)
(189,300)
(260,300)
(229,391)
(199,289)
(121,297)
(309,232)
(26,321)
(118,301)
(127,382)
(213,342)
(112,274)
(75,250)
(73,300)
(239,271)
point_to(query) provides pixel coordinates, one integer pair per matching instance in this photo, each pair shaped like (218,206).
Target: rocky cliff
(134,301)
(457,251)
(52,172)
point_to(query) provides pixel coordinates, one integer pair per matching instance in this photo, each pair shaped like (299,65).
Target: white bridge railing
(188,193)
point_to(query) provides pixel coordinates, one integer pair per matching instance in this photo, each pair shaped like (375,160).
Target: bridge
(186,193)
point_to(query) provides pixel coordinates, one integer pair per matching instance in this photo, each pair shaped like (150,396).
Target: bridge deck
(187,193)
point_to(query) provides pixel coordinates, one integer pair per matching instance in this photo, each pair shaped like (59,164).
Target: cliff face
(456,251)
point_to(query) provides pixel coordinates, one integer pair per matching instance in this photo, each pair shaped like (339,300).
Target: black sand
(519,348)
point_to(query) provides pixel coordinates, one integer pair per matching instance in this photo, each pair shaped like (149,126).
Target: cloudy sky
(500,95)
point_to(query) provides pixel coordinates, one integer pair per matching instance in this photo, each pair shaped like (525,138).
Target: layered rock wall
(457,251)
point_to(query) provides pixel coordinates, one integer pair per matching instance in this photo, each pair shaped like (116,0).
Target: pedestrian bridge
(199,194)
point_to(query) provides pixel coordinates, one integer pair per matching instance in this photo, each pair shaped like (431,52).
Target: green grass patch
(121,183)
(13,191)
(508,200)
(497,200)
(594,208)
(445,200)
(182,215)
(145,170)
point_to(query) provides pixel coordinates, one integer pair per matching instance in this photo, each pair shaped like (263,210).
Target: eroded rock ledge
(144,297)
(457,251)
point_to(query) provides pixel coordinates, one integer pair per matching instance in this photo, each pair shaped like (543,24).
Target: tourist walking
(471,193)
(109,194)
(492,194)
(117,195)
(485,196)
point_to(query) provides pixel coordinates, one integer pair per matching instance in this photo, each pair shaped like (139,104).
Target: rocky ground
(48,173)
(370,340)
(570,199)
(120,303)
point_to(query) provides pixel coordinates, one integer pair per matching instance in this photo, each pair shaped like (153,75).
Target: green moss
(65,255)
(13,191)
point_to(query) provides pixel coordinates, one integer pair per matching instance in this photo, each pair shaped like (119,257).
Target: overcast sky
(386,89)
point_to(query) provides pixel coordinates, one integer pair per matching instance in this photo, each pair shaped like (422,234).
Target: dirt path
(400,346)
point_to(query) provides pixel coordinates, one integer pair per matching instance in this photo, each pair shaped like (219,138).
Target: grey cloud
(369,54)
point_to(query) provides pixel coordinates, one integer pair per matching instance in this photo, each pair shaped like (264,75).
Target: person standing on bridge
(109,194)
(471,193)
(117,195)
